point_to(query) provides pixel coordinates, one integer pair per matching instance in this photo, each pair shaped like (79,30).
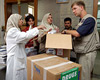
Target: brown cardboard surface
(66,54)
(52,73)
(33,58)
(59,41)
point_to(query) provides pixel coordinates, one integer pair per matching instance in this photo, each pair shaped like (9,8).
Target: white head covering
(13,21)
(46,24)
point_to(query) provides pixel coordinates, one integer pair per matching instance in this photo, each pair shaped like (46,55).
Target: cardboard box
(49,67)
(60,41)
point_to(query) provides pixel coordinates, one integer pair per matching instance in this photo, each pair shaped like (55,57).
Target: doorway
(31,8)
(98,16)
(9,4)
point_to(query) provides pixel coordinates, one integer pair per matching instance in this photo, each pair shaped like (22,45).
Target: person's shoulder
(12,31)
(90,19)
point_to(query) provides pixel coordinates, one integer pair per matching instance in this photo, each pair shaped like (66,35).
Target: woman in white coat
(15,40)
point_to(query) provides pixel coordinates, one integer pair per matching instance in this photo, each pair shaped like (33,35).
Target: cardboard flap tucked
(60,41)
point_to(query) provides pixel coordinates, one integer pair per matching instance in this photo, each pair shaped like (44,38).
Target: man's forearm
(73,33)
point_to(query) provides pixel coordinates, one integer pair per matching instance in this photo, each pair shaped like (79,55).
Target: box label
(38,70)
(50,50)
(70,74)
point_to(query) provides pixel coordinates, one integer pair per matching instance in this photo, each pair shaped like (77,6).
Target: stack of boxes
(54,67)
(3,56)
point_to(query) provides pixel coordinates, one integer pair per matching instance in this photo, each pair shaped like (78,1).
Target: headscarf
(12,21)
(46,24)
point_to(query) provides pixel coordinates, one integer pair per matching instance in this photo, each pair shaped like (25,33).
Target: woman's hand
(49,30)
(41,27)
(57,29)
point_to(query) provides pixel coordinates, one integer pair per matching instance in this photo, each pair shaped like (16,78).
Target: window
(31,9)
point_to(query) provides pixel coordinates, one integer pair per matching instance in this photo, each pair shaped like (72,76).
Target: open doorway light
(31,9)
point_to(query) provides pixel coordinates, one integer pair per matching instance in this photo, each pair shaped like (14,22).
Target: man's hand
(63,32)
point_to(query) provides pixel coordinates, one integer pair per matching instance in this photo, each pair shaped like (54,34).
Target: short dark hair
(68,19)
(28,17)
(79,3)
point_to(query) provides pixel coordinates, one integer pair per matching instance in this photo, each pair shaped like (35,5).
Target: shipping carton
(50,67)
(60,41)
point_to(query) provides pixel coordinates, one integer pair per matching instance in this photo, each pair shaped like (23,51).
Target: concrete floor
(96,71)
(2,74)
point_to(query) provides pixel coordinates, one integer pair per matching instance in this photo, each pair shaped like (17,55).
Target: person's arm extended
(72,32)
(23,37)
(86,28)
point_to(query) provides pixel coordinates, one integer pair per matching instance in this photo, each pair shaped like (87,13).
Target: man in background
(68,23)
(68,26)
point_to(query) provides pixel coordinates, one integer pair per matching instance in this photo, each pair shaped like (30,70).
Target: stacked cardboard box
(3,56)
(51,67)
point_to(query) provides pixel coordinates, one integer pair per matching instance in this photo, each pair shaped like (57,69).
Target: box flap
(60,41)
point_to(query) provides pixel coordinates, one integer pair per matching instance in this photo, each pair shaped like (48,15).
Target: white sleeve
(22,37)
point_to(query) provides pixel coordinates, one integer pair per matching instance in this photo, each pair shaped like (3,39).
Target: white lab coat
(16,57)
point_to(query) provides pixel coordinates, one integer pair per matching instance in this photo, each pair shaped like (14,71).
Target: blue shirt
(87,27)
